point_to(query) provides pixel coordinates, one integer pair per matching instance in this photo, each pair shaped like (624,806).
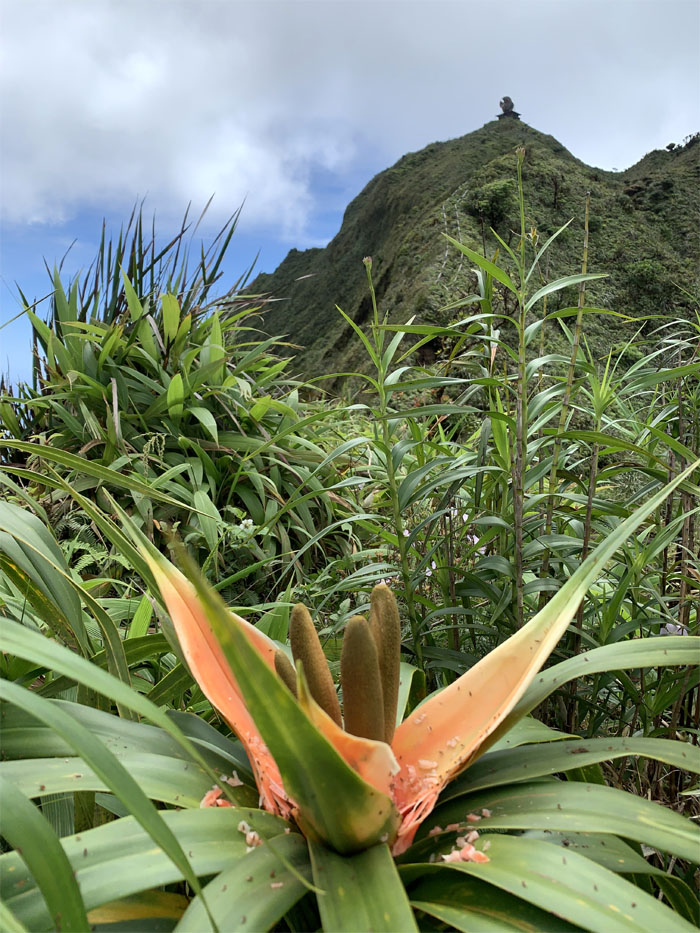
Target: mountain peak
(641,231)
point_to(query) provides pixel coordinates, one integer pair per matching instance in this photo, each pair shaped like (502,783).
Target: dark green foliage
(493,203)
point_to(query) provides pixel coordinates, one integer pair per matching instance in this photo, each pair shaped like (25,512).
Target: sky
(289,108)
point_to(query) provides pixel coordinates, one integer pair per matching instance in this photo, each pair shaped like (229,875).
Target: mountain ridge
(642,233)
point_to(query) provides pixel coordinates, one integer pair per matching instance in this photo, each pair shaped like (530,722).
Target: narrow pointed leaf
(563,283)
(407,673)
(485,264)
(24,827)
(46,563)
(362,892)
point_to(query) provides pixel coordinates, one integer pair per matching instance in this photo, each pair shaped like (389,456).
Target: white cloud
(119,100)
(107,101)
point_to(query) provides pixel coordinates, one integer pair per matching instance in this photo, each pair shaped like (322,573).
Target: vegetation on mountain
(643,235)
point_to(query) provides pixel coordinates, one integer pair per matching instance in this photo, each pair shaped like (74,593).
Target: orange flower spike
(213,674)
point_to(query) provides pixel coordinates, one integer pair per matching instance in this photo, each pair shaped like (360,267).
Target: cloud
(112,101)
(108,101)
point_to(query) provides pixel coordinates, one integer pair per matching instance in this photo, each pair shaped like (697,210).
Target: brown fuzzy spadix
(385,626)
(306,648)
(363,702)
(285,671)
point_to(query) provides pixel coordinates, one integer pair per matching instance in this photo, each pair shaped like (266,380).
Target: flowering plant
(468,813)
(361,788)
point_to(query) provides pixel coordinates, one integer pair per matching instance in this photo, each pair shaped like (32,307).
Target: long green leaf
(564,282)
(33,646)
(171,780)
(568,885)
(526,731)
(362,892)
(485,264)
(107,767)
(119,858)
(680,896)
(525,763)
(171,317)
(468,904)
(256,891)
(27,830)
(30,546)
(572,806)
(86,467)
(606,850)
(49,560)
(667,651)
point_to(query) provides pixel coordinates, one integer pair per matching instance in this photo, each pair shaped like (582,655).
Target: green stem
(520,418)
(566,402)
(378,336)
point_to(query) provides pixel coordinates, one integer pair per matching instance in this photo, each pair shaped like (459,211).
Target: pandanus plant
(371,831)
(396,773)
(358,784)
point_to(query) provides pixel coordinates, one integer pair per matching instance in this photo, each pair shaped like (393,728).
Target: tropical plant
(147,373)
(500,841)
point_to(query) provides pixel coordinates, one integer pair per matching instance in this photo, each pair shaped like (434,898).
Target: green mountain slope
(643,233)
